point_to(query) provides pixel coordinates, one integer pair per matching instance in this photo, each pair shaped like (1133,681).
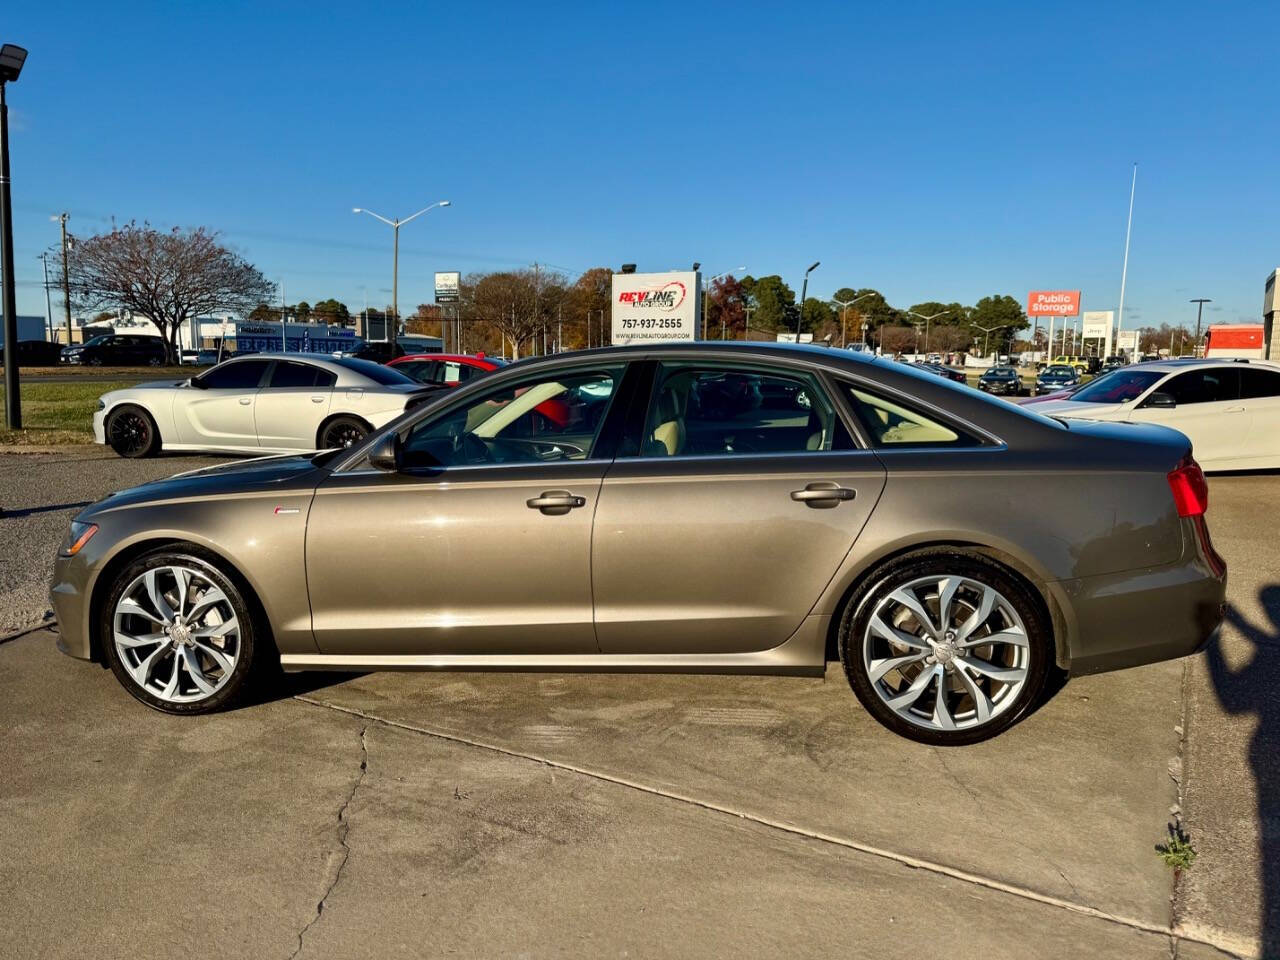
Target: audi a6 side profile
(847,505)
(265,403)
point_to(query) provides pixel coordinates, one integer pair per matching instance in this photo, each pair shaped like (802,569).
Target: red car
(445,369)
(454,369)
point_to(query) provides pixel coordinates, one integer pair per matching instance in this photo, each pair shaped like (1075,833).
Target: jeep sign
(654,307)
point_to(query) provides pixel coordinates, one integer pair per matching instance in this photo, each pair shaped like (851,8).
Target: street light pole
(48,304)
(986,343)
(11,59)
(1199,302)
(804,293)
(926,324)
(396,224)
(844,315)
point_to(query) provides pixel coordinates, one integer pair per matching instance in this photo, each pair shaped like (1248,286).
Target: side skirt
(802,655)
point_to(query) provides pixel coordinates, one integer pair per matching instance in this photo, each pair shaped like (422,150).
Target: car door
(481,542)
(1260,396)
(743,496)
(219,410)
(1207,409)
(289,408)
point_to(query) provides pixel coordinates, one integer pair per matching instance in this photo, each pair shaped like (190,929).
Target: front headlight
(77,536)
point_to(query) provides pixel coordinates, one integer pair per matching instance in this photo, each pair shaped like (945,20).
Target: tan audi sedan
(740,508)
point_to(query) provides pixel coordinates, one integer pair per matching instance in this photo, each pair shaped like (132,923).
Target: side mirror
(385,454)
(1160,400)
(198,383)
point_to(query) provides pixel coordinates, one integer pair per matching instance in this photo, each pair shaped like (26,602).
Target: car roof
(1184,363)
(467,358)
(347,375)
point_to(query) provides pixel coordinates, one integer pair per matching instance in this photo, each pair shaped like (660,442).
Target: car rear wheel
(946,649)
(178,634)
(343,432)
(132,433)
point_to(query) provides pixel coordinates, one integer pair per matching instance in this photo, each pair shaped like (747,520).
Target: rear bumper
(1143,616)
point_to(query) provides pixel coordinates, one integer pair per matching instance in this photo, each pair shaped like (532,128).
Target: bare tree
(167,277)
(518,304)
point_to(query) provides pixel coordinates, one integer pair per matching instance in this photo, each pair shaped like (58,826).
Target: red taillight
(1190,490)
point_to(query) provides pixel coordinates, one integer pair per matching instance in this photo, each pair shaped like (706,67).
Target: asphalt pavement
(593,815)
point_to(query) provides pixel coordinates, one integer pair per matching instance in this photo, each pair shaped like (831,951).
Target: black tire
(156,362)
(94,361)
(131,432)
(1006,704)
(246,644)
(343,431)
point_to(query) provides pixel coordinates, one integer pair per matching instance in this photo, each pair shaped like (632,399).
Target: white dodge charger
(265,403)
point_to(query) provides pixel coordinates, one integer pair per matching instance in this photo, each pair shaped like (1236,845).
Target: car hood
(1079,410)
(262,474)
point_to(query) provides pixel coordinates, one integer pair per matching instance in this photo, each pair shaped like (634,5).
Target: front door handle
(245,401)
(822,494)
(317,399)
(1235,409)
(556,503)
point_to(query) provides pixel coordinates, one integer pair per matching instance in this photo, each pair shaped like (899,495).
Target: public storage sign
(1053,303)
(656,307)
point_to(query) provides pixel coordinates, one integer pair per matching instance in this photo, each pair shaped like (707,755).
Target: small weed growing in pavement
(1177,852)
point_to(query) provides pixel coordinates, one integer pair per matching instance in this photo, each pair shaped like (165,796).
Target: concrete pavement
(553,815)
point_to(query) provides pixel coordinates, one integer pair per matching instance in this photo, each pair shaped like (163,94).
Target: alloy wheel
(129,432)
(176,633)
(343,434)
(946,652)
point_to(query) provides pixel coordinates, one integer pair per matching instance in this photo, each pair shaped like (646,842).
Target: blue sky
(931,151)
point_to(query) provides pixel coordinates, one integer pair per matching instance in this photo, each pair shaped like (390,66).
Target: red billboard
(1053,303)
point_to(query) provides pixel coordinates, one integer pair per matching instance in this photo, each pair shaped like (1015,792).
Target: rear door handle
(556,503)
(822,494)
(317,399)
(1235,409)
(245,401)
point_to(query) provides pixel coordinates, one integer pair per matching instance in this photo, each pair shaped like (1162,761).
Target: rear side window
(889,423)
(1256,383)
(241,375)
(291,373)
(722,411)
(1204,386)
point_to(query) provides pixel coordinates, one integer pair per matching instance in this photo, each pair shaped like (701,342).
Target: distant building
(1270,311)
(29,328)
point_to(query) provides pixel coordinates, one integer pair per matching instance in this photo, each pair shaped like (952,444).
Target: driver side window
(538,421)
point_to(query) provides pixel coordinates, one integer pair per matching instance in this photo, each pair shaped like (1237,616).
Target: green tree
(771,302)
(331,311)
(819,319)
(996,311)
(302,311)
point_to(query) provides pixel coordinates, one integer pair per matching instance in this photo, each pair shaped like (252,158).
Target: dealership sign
(447,286)
(1053,303)
(1127,340)
(656,307)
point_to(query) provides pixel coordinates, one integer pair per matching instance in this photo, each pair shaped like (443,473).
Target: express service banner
(656,307)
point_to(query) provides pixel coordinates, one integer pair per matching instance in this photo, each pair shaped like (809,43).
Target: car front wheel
(132,433)
(946,649)
(178,634)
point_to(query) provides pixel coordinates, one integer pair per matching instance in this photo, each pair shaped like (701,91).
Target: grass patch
(1177,851)
(56,413)
(75,370)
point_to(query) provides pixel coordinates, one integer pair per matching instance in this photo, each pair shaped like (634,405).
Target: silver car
(265,403)
(684,507)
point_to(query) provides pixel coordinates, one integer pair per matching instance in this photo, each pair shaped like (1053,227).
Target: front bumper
(100,427)
(69,595)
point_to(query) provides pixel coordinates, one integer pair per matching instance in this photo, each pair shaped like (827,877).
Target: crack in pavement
(344,827)
(902,859)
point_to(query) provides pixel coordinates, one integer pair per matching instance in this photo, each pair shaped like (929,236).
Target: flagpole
(1124,272)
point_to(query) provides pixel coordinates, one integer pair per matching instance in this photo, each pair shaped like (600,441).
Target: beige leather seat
(669,435)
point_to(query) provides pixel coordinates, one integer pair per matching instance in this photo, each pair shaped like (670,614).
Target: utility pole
(1124,270)
(559,328)
(66,276)
(48,305)
(1199,302)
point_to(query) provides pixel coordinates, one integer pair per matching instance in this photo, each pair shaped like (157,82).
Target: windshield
(1060,372)
(99,339)
(1001,372)
(374,371)
(1119,386)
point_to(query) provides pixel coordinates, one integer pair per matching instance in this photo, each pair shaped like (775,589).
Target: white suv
(1229,409)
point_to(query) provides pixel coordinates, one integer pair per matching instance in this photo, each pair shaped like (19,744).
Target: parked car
(36,353)
(897,517)
(1001,380)
(939,370)
(1230,409)
(1080,363)
(1058,376)
(117,350)
(266,403)
(446,369)
(379,351)
(207,358)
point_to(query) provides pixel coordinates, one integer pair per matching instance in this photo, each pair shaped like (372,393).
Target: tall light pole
(804,292)
(1124,270)
(706,291)
(12,57)
(61,219)
(986,343)
(48,304)
(844,306)
(395,225)
(1199,302)
(926,324)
